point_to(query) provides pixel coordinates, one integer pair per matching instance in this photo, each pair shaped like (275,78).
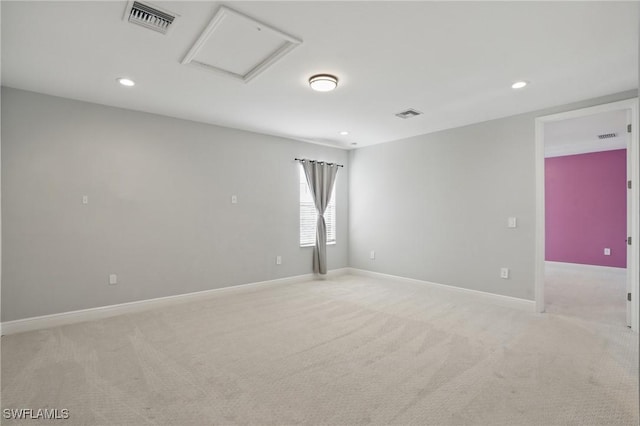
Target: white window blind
(309,217)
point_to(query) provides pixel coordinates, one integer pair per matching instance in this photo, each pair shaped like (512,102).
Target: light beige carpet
(348,351)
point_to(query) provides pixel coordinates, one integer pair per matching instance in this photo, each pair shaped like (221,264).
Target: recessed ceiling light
(344,133)
(323,82)
(519,84)
(353,144)
(126,81)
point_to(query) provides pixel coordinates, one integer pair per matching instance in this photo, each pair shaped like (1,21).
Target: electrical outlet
(512,222)
(607,251)
(504,273)
(113,279)
(85,199)
(372,255)
(278,260)
(234,199)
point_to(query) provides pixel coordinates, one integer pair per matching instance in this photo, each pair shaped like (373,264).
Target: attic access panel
(238,46)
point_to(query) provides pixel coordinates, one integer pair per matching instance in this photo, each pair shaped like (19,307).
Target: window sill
(332,243)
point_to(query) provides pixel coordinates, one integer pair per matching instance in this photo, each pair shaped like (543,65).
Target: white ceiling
(454,61)
(580,135)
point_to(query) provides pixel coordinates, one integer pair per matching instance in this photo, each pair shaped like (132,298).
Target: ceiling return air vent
(150,17)
(410,113)
(607,136)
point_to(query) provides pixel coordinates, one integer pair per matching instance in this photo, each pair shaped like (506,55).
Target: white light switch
(504,273)
(85,199)
(512,222)
(372,255)
(607,251)
(113,279)
(234,199)
(278,260)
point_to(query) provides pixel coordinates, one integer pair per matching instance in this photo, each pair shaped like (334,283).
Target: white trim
(538,269)
(633,153)
(72,317)
(632,220)
(587,147)
(498,299)
(581,267)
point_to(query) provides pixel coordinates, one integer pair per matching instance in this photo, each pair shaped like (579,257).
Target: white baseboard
(72,317)
(580,267)
(498,299)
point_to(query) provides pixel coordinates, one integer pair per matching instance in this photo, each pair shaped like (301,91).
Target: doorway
(571,253)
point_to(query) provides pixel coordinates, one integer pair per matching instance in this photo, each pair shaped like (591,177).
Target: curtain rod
(320,162)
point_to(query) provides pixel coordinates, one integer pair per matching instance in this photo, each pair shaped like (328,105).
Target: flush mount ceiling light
(344,133)
(126,81)
(323,82)
(519,84)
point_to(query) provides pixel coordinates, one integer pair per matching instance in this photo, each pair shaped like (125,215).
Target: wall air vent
(607,136)
(150,17)
(408,113)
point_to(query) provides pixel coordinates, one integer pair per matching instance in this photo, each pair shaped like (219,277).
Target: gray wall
(159,212)
(435,207)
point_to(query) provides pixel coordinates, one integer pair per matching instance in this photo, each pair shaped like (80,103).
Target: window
(309,217)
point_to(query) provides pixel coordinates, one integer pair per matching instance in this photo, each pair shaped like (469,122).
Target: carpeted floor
(589,293)
(347,351)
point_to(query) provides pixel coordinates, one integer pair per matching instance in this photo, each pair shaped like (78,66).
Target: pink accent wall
(586,208)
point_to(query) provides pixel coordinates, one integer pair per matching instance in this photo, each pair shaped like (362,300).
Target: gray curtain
(321,178)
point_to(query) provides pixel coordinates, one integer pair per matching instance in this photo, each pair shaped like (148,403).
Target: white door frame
(633,152)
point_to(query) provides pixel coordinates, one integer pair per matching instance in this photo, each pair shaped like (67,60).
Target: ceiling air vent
(149,17)
(607,136)
(408,113)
